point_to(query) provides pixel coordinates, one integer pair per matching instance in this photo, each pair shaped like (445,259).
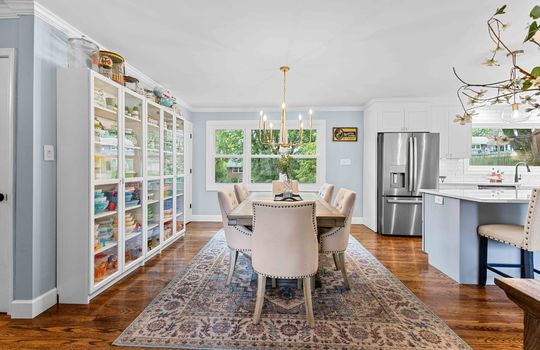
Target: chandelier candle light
(267,138)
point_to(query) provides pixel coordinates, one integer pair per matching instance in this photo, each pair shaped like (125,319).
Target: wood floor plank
(483,317)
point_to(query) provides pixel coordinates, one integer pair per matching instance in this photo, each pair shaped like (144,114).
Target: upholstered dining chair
(241,192)
(326,192)
(238,237)
(279,186)
(526,238)
(284,245)
(336,239)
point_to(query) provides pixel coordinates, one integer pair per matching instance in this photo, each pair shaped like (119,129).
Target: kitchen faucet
(517,177)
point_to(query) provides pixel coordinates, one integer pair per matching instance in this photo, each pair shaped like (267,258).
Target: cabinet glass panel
(153,141)
(133,133)
(105,130)
(133,220)
(153,215)
(179,214)
(168,208)
(105,237)
(179,144)
(168,143)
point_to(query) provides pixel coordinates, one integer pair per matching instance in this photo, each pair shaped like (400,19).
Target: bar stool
(526,238)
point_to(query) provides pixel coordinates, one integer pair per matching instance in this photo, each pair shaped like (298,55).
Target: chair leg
(274,283)
(299,284)
(261,285)
(341,259)
(336,261)
(232,263)
(528,264)
(308,302)
(482,260)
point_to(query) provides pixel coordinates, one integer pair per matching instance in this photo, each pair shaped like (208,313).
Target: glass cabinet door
(168,208)
(105,131)
(105,237)
(168,143)
(179,214)
(179,145)
(153,141)
(133,132)
(179,154)
(133,220)
(153,215)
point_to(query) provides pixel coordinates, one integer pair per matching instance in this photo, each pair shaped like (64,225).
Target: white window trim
(247,125)
(492,120)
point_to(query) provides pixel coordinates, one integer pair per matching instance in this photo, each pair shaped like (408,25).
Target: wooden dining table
(327,215)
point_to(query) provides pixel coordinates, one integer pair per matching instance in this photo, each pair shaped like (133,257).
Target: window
(502,146)
(236,154)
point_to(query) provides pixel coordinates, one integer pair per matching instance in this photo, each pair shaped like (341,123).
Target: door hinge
(189,205)
(191,171)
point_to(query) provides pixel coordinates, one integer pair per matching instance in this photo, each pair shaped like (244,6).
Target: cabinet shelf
(106,182)
(133,207)
(153,201)
(105,214)
(153,126)
(105,248)
(134,119)
(133,235)
(106,113)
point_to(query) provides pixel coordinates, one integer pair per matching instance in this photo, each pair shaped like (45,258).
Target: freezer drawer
(400,216)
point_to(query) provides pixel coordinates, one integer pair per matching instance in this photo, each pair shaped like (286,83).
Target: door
(188,154)
(401,216)
(7,91)
(394,171)
(425,170)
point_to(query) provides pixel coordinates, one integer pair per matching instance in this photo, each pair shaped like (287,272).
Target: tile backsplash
(457,170)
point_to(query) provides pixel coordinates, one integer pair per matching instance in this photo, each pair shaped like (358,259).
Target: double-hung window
(237,152)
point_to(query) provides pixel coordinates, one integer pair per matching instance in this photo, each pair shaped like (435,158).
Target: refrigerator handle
(415,160)
(411,165)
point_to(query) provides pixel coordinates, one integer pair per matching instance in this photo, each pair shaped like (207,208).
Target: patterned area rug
(197,311)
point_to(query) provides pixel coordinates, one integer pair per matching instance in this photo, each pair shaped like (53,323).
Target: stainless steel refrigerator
(406,162)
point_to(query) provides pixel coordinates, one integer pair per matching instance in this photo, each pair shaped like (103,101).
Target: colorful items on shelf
(179,225)
(133,249)
(112,196)
(132,112)
(150,216)
(152,121)
(167,189)
(130,138)
(164,97)
(167,208)
(168,229)
(105,233)
(132,196)
(105,264)
(109,64)
(153,238)
(100,201)
(132,225)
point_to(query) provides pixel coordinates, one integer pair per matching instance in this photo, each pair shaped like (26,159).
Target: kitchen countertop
(484,196)
(523,186)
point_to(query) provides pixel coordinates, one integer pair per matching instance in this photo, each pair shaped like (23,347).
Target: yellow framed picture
(345,134)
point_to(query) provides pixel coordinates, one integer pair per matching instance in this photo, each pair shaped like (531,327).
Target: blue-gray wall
(205,202)
(39,50)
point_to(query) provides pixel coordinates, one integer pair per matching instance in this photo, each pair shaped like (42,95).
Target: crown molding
(276,109)
(18,8)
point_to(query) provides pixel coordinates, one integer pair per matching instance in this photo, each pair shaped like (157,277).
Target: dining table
(327,215)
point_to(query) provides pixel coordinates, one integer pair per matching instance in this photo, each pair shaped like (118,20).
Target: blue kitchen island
(450,219)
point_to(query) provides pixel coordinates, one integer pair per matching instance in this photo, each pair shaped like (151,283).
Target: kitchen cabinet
(120,182)
(403,117)
(455,139)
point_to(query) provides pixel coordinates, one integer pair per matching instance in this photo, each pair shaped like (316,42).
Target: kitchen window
(505,146)
(235,154)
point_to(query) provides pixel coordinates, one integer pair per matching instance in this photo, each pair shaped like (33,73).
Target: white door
(7,83)
(188,159)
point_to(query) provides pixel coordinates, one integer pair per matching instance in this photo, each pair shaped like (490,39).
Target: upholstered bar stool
(241,192)
(238,237)
(326,192)
(336,239)
(279,186)
(526,238)
(284,245)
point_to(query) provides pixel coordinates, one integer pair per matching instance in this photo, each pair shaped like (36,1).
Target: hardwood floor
(483,317)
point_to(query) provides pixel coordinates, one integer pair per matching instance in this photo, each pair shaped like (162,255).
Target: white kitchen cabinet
(455,138)
(404,117)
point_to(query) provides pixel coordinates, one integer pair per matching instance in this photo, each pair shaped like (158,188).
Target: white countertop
(484,196)
(453,184)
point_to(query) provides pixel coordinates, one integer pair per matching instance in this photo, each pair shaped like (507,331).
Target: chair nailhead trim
(285,277)
(528,224)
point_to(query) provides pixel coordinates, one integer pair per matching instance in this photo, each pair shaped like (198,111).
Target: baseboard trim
(212,218)
(32,308)
(358,220)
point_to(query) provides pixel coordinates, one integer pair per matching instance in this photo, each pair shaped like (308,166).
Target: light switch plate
(439,200)
(48,152)
(345,161)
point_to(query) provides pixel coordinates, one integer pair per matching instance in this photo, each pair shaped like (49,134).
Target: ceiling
(226,53)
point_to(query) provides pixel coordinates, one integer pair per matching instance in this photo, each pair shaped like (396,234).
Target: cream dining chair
(336,239)
(526,238)
(241,192)
(284,246)
(238,237)
(279,186)
(326,192)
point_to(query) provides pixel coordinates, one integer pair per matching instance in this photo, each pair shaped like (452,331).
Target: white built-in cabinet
(404,118)
(455,139)
(121,182)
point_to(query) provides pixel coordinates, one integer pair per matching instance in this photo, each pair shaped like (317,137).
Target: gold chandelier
(266,134)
